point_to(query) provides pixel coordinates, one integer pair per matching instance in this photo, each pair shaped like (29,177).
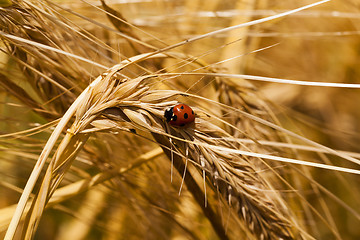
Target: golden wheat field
(91,145)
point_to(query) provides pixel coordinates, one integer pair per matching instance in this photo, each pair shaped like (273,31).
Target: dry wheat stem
(40,164)
(247,24)
(131,39)
(83,33)
(31,131)
(64,193)
(276,80)
(294,146)
(130,25)
(46,47)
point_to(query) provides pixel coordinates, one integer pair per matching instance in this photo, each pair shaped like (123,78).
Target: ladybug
(179,115)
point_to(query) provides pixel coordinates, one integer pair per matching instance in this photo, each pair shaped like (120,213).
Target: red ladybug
(179,115)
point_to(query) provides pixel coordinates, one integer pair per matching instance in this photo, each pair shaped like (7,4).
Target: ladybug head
(168,114)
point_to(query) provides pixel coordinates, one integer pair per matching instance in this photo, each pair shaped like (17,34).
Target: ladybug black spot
(182,107)
(168,114)
(192,112)
(186,115)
